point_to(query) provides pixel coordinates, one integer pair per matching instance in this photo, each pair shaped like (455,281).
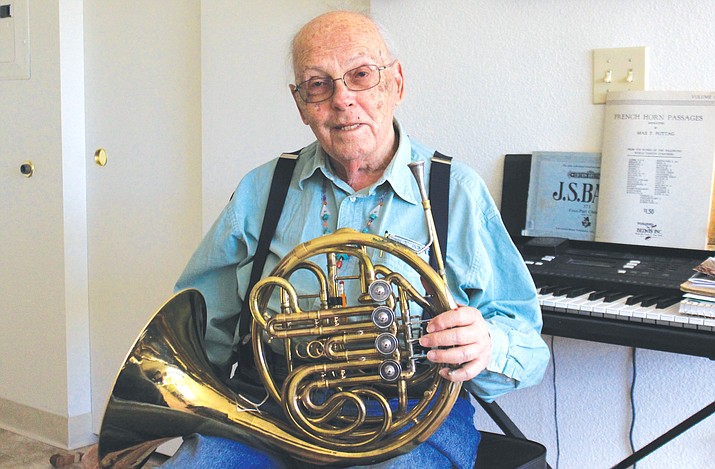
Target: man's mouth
(347,127)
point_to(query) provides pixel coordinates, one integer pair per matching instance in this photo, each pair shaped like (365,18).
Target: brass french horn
(355,386)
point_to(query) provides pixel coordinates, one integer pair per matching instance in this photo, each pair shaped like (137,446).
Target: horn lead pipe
(418,171)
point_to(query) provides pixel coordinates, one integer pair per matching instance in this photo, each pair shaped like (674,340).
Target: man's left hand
(464,341)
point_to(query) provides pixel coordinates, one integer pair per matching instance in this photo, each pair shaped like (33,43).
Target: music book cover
(657,166)
(563,195)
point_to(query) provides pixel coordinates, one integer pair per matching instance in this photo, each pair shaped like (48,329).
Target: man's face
(351,126)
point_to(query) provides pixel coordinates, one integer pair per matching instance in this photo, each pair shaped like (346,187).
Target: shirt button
(352,199)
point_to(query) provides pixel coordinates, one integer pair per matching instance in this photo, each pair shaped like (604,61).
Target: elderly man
(347,86)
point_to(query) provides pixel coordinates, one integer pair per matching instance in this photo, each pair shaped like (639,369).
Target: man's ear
(400,81)
(298,103)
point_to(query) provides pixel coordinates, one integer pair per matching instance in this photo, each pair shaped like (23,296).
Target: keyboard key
(577,292)
(667,302)
(635,299)
(597,294)
(614,296)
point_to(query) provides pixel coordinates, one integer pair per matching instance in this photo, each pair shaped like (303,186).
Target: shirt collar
(313,158)
(397,173)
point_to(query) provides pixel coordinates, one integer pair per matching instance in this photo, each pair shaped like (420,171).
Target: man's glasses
(319,89)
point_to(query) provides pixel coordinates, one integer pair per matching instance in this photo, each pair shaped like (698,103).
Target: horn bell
(167,389)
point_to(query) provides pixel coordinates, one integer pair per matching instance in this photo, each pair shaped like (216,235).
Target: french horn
(354,385)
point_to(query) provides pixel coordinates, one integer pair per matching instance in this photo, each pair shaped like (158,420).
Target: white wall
(135,221)
(43,240)
(143,93)
(248,114)
(487,78)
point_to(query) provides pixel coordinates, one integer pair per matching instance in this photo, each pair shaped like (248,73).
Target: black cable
(556,417)
(633,401)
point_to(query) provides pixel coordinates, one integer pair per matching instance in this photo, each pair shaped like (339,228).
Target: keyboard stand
(618,332)
(688,423)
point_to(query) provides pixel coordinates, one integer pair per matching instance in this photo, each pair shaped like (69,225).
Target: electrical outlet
(620,69)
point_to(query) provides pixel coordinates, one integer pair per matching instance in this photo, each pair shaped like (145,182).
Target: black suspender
(439,198)
(276,199)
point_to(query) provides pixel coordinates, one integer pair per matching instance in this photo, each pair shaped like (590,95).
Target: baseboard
(47,427)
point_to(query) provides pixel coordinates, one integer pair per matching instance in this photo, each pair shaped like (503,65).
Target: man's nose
(342,95)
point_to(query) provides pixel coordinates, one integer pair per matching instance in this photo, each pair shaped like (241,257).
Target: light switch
(7,35)
(14,39)
(619,69)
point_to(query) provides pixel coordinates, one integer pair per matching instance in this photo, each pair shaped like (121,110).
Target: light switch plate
(15,41)
(619,69)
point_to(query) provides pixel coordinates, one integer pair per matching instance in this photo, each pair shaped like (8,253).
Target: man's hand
(465,337)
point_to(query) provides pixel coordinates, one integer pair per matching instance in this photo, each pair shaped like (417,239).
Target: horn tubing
(166,389)
(418,171)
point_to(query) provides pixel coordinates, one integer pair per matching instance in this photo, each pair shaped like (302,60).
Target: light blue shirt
(484,269)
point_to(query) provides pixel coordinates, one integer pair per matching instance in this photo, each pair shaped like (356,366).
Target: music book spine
(697,308)
(711,221)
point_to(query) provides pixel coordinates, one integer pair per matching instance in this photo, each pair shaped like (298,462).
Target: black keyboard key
(547,289)
(651,301)
(597,295)
(614,296)
(562,290)
(577,292)
(667,302)
(644,300)
(635,299)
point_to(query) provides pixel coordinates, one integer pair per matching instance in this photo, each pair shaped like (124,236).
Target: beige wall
(43,283)
(518,80)
(245,124)
(53,302)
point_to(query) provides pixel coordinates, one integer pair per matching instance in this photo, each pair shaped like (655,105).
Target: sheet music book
(697,307)
(563,195)
(657,168)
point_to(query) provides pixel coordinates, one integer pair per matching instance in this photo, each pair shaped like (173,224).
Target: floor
(19,452)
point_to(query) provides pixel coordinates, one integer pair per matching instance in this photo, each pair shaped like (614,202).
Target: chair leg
(500,417)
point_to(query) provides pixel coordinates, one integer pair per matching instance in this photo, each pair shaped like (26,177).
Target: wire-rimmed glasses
(317,89)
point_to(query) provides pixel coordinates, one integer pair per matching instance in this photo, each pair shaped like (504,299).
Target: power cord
(556,417)
(634,374)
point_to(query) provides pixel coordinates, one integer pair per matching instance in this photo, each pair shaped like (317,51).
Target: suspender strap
(276,199)
(439,199)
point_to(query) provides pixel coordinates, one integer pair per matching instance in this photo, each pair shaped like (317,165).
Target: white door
(143,106)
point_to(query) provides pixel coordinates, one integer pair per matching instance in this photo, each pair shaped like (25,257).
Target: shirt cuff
(500,349)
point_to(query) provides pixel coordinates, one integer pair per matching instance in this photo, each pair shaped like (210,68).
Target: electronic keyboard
(612,293)
(619,294)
